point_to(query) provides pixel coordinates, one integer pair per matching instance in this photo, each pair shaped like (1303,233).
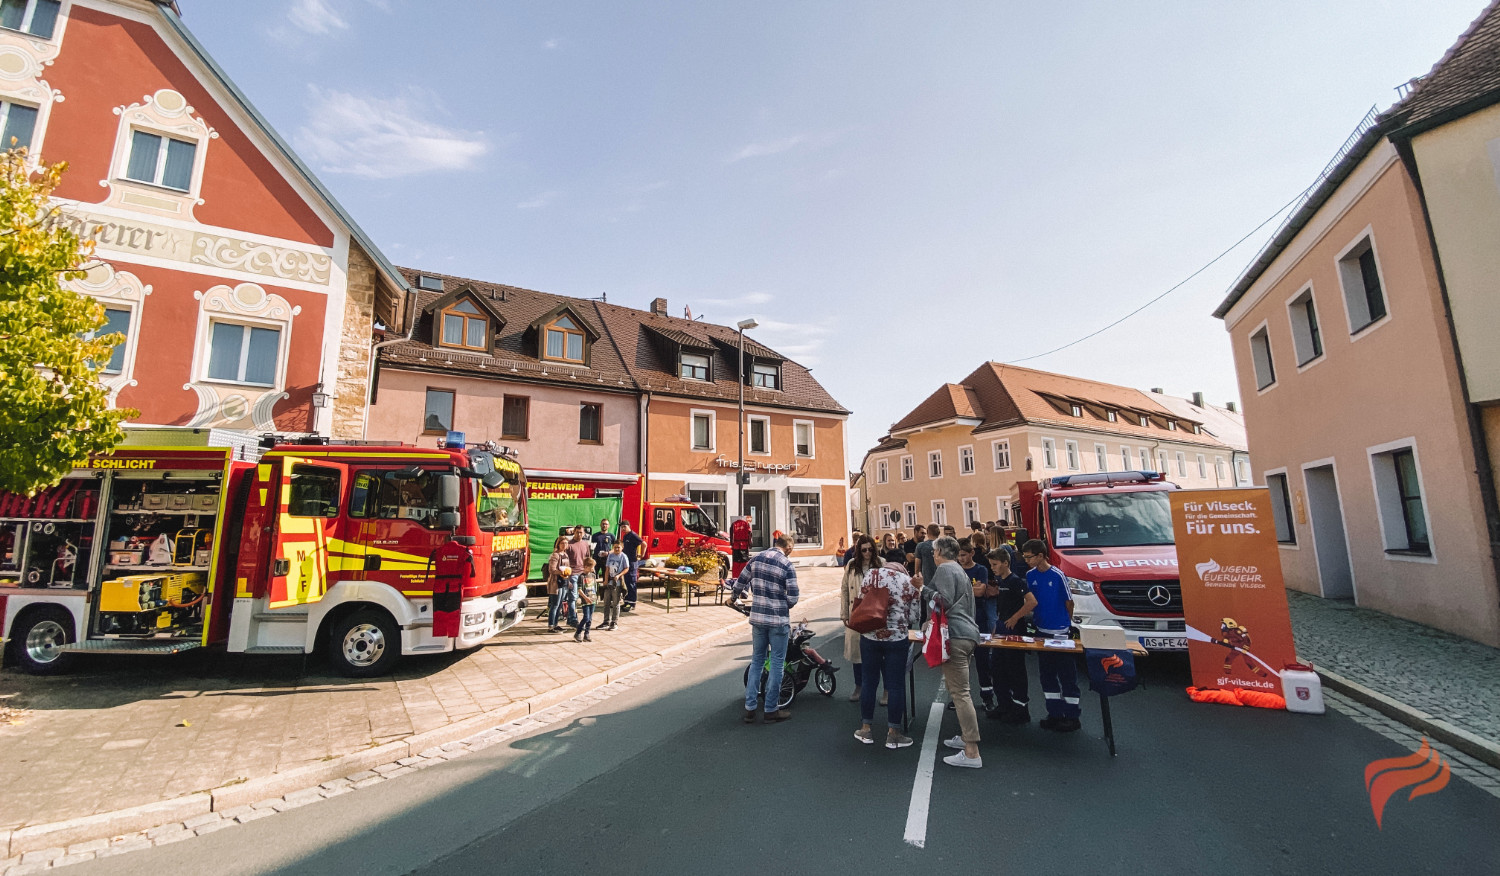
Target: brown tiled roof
(1466,78)
(951,401)
(621,359)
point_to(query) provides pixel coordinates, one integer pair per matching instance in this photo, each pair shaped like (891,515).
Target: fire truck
(1111,535)
(560,500)
(365,552)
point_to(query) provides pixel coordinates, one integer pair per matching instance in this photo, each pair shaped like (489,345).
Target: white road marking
(921,789)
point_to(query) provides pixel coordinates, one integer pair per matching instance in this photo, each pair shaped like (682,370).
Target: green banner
(546,519)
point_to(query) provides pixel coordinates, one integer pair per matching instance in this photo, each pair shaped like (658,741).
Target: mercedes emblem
(1159,595)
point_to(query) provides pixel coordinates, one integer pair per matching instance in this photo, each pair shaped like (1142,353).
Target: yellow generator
(161,602)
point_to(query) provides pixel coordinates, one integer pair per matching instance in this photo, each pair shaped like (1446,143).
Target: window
(1112,415)
(1219,471)
(882,471)
(1002,455)
(1145,459)
(1307,340)
(1398,495)
(1077,410)
(939,512)
(438,414)
(36,17)
(1124,459)
(966,460)
(908,468)
(431,284)
(18,123)
(910,511)
(1260,357)
(392,495)
(1281,508)
(765,376)
(1002,505)
(971,511)
(1242,471)
(1161,461)
(807,518)
(515,417)
(802,438)
(243,354)
(1071,448)
(934,463)
(1202,466)
(1049,453)
(885,518)
(1360,275)
(161,161)
(1181,464)
(1171,425)
(703,431)
(115,322)
(760,435)
(465,327)
(590,423)
(314,492)
(694,366)
(1145,422)
(564,340)
(1101,457)
(664,520)
(712,503)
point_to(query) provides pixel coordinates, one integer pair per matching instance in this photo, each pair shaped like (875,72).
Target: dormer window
(1145,422)
(465,327)
(1077,410)
(36,17)
(431,284)
(694,366)
(1171,425)
(564,340)
(1112,415)
(765,376)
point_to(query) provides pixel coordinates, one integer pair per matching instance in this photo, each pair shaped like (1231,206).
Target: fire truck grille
(1150,626)
(505,565)
(1143,597)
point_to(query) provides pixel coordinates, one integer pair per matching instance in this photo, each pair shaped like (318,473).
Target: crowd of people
(985,587)
(584,573)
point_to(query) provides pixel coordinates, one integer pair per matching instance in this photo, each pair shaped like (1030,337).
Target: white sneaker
(959,759)
(956,742)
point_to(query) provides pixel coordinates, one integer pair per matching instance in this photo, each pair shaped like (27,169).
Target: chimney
(1198,399)
(659,306)
(1233,408)
(1158,390)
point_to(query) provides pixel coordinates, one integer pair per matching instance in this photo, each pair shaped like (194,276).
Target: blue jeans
(630,582)
(763,639)
(883,660)
(587,622)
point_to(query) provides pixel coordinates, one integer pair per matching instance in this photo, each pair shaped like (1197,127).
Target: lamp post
(743,325)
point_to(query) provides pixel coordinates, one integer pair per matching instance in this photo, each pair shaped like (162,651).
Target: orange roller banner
(1238,627)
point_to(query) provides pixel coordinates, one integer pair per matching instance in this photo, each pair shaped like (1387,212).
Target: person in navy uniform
(1008,666)
(632,545)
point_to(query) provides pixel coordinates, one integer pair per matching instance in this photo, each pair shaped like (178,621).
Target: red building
(242,288)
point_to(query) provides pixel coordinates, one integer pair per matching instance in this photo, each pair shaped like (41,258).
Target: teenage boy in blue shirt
(1051,608)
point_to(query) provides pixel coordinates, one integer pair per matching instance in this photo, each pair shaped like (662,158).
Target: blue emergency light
(454,441)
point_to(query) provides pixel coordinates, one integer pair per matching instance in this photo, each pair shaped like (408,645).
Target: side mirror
(447,520)
(448,492)
(492,480)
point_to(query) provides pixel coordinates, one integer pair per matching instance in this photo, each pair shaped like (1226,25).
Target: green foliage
(699,557)
(53,410)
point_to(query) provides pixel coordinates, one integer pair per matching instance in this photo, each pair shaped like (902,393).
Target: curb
(58,834)
(1474,746)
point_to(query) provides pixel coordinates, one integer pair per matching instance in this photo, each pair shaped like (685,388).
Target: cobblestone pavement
(1477,773)
(1444,675)
(128,731)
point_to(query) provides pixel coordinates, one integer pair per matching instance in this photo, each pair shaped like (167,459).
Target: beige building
(1363,341)
(956,458)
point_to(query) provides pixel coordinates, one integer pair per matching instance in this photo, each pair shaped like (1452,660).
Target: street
(663,777)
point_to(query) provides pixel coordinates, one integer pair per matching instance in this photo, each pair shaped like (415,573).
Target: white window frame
(30,13)
(682,363)
(935,456)
(713,429)
(1203,466)
(1112,415)
(822,528)
(940,512)
(1146,460)
(6,102)
(1385,290)
(1002,508)
(1263,329)
(812,439)
(882,471)
(1163,464)
(1221,471)
(885,517)
(1241,468)
(1291,507)
(283,346)
(971,504)
(1181,464)
(1381,481)
(909,514)
(160,170)
(750,447)
(1101,457)
(1296,316)
(965,454)
(1125,458)
(998,447)
(1070,452)
(908,468)
(1049,453)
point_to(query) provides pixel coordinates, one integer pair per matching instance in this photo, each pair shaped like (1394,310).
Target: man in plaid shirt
(772,582)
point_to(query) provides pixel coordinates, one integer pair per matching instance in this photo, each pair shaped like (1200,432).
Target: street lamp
(740,477)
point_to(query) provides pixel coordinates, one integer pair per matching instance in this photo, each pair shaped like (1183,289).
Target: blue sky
(896,191)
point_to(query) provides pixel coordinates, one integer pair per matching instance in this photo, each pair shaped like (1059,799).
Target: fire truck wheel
(37,639)
(364,644)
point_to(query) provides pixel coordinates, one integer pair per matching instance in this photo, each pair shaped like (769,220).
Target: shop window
(314,492)
(17,124)
(693,366)
(161,161)
(515,417)
(807,518)
(437,417)
(765,376)
(564,340)
(465,327)
(590,430)
(395,495)
(760,435)
(1364,296)
(36,17)
(243,353)
(1281,508)
(703,431)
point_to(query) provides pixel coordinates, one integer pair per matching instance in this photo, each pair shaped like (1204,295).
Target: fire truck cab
(366,552)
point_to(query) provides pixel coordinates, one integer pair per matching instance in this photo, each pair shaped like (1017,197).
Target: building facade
(957,457)
(584,385)
(1361,340)
(218,251)
(1225,423)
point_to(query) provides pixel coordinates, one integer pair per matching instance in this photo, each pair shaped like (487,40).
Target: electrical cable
(1184,282)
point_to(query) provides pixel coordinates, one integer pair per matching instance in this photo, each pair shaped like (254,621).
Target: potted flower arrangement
(702,559)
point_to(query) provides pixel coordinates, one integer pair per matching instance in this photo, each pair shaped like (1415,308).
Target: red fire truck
(1111,535)
(367,552)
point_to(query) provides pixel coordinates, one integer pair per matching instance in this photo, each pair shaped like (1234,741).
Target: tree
(53,410)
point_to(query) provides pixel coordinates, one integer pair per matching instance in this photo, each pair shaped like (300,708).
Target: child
(1050,605)
(1008,666)
(615,568)
(587,596)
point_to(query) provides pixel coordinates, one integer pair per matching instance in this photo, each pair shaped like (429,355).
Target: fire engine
(1111,535)
(364,551)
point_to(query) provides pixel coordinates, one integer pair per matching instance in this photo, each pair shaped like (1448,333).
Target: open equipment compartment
(47,540)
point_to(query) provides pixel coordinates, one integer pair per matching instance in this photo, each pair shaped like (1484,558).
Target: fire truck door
(308,517)
(393,528)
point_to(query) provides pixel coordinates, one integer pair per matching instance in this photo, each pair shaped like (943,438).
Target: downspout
(643,453)
(376,347)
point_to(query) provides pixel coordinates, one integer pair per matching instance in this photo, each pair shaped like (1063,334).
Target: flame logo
(1425,772)
(1207,568)
(1112,661)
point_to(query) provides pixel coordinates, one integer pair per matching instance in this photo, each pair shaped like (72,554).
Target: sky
(897,192)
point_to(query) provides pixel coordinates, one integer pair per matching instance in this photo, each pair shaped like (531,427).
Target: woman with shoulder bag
(559,569)
(952,590)
(883,651)
(863,561)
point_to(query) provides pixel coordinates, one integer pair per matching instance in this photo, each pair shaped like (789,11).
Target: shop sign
(752,465)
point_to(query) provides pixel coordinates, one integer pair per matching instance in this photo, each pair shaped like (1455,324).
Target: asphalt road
(665,779)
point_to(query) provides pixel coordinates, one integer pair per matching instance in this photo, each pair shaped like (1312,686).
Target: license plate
(1163,644)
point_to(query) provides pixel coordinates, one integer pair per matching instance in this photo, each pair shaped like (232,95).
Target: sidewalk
(127,732)
(1448,677)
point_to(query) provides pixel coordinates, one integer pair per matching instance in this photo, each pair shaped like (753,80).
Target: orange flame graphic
(1425,772)
(1111,662)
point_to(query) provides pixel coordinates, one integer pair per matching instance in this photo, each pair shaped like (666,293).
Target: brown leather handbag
(870,611)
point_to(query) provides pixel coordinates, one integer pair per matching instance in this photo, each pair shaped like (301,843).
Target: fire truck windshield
(694,520)
(1103,520)
(500,505)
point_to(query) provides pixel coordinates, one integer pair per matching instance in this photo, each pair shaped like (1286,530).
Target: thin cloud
(380,138)
(801,341)
(551,44)
(747,300)
(315,17)
(768,147)
(540,200)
